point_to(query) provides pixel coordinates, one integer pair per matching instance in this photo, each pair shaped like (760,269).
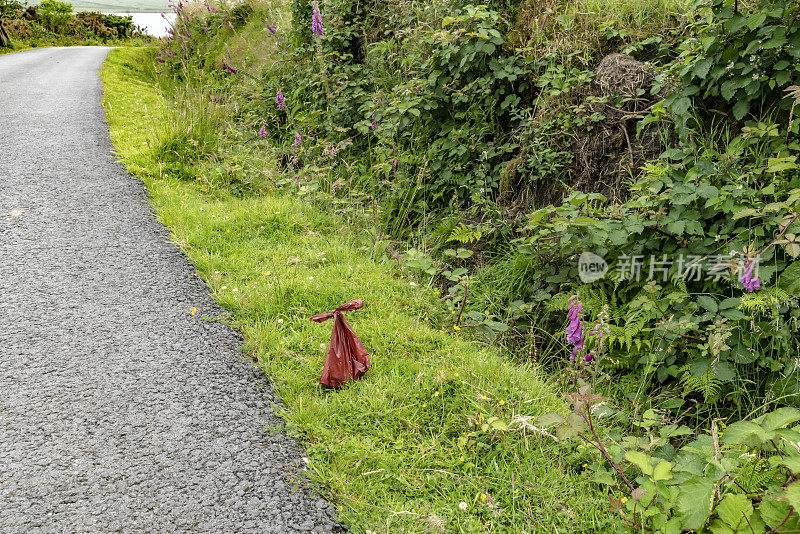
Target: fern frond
(464,234)
(764,301)
(707,384)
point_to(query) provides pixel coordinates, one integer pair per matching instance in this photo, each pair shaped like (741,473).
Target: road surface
(120,411)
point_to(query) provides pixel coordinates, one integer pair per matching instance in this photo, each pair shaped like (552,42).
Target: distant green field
(120,6)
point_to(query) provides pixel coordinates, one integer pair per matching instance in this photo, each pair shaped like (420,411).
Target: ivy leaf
(694,502)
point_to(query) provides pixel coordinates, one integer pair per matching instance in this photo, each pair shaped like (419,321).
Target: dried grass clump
(610,155)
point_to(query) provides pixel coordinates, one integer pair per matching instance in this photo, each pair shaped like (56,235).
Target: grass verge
(438,421)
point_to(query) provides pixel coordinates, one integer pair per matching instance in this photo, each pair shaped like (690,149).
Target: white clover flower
(462,506)
(280,321)
(322,346)
(412,284)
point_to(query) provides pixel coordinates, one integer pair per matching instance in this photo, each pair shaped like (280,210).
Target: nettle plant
(741,478)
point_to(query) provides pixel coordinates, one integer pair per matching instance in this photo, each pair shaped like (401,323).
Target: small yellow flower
(502,402)
(456,375)
(436,394)
(456,327)
(584,465)
(623,500)
(193,311)
(267,273)
(516,490)
(483,496)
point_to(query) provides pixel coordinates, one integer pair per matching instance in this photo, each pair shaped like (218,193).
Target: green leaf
(549,419)
(789,279)
(662,471)
(779,418)
(792,494)
(747,212)
(746,433)
(640,460)
(776,165)
(773,512)
(756,20)
(791,462)
(734,508)
(740,109)
(694,502)
(707,191)
(707,303)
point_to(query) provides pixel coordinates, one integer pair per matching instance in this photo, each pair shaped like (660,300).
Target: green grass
(398,450)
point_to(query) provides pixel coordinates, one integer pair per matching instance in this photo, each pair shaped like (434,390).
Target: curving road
(119,410)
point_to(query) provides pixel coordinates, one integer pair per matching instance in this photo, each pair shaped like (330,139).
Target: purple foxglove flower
(395,163)
(228,53)
(273,29)
(588,358)
(750,284)
(229,68)
(279,99)
(575,328)
(263,131)
(230,25)
(317,29)
(297,140)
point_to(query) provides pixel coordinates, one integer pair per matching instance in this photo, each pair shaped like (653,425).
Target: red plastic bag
(347,358)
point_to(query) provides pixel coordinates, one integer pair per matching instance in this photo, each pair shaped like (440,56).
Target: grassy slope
(386,447)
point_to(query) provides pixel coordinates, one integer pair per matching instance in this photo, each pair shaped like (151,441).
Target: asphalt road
(119,410)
